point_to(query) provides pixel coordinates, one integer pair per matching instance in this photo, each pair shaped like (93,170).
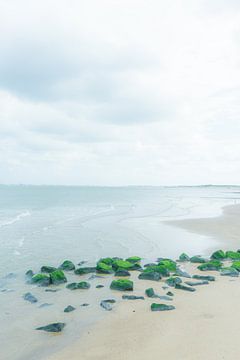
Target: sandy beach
(205,324)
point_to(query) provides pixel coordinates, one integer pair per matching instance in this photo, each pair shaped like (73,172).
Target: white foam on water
(15,219)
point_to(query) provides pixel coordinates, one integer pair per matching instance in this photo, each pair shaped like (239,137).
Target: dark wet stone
(182,273)
(85,270)
(184,257)
(132,297)
(230,271)
(28,275)
(52,290)
(161,307)
(204,277)
(30,297)
(69,308)
(84,304)
(111,301)
(106,305)
(44,305)
(150,293)
(150,275)
(55,327)
(197,259)
(92,277)
(121,272)
(80,285)
(197,283)
(169,293)
(67,265)
(172,281)
(183,287)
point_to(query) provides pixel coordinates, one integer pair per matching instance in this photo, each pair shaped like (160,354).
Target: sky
(120,92)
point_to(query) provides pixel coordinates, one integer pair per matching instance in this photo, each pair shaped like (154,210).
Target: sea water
(43,225)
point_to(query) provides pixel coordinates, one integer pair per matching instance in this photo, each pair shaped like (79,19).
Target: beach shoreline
(203,325)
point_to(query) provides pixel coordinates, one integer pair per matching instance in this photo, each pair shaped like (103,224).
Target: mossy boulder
(236,265)
(122,264)
(107,261)
(218,255)
(161,307)
(150,275)
(204,277)
(134,259)
(57,277)
(122,285)
(161,269)
(103,268)
(41,280)
(184,257)
(168,264)
(234,255)
(210,266)
(122,272)
(48,269)
(229,271)
(77,286)
(197,259)
(85,270)
(67,265)
(150,293)
(172,281)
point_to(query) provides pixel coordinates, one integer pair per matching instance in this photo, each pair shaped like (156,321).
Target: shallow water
(45,225)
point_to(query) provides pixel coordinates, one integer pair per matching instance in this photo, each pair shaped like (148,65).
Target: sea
(44,225)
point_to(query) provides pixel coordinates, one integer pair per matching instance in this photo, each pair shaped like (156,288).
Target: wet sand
(204,325)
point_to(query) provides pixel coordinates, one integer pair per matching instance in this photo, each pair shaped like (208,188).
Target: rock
(99,286)
(57,277)
(92,277)
(85,270)
(218,255)
(149,264)
(67,265)
(104,268)
(132,297)
(210,266)
(123,265)
(84,304)
(204,277)
(184,257)
(106,305)
(161,307)
(28,276)
(48,269)
(80,285)
(229,271)
(164,297)
(30,297)
(107,261)
(134,259)
(111,301)
(149,275)
(52,290)
(197,259)
(169,264)
(161,269)
(234,255)
(82,263)
(197,283)
(40,279)
(150,293)
(183,287)
(55,327)
(44,305)
(169,293)
(69,308)
(172,281)
(236,265)
(122,272)
(182,273)
(122,285)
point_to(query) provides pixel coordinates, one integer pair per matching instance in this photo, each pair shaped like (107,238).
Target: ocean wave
(10,221)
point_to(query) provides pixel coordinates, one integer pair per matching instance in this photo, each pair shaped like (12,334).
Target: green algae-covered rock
(41,279)
(122,264)
(48,269)
(103,268)
(169,264)
(161,269)
(107,261)
(234,255)
(80,285)
(161,307)
(210,265)
(122,285)
(85,270)
(150,275)
(122,272)
(55,327)
(229,271)
(134,259)
(172,281)
(218,255)
(57,277)
(150,293)
(197,259)
(204,277)
(183,287)
(236,265)
(184,257)
(67,265)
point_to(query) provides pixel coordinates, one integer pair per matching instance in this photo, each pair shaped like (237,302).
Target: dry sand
(204,325)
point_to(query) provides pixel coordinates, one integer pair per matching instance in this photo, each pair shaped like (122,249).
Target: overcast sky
(120,92)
